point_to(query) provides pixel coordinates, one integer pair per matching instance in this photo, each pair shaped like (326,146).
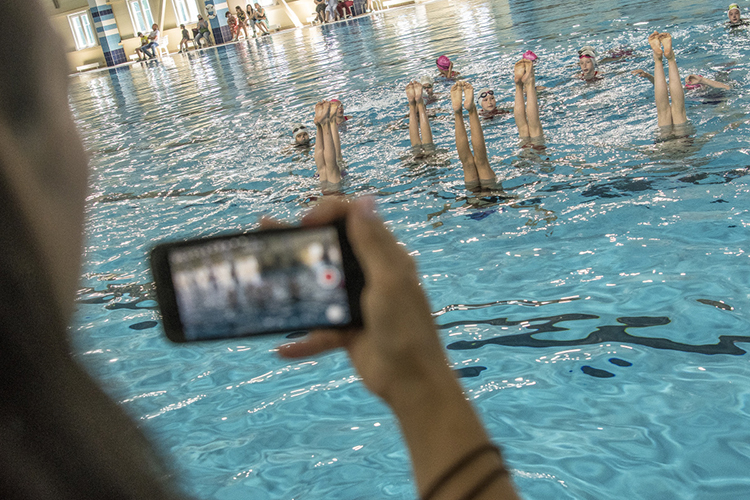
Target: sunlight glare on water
(596,316)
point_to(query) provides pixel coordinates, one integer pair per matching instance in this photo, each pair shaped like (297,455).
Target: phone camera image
(248,284)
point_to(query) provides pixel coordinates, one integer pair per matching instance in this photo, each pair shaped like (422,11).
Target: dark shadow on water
(602,334)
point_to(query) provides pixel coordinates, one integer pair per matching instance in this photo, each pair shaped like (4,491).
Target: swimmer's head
(300,134)
(734,14)
(587,62)
(692,82)
(486,100)
(427,83)
(443,63)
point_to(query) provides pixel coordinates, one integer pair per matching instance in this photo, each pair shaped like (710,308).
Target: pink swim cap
(530,55)
(443,62)
(693,86)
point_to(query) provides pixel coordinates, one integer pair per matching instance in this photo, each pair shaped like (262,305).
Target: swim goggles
(485,94)
(298,130)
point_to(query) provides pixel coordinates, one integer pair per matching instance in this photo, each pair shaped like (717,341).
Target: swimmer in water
(301,135)
(667,114)
(327,146)
(692,82)
(340,118)
(428,89)
(418,122)
(488,104)
(526,113)
(445,67)
(478,174)
(735,19)
(589,66)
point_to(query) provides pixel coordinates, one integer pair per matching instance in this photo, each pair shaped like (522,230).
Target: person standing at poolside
(667,114)
(261,19)
(154,37)
(204,33)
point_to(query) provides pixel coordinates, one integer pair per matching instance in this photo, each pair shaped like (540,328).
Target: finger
(317,342)
(270,223)
(329,210)
(375,247)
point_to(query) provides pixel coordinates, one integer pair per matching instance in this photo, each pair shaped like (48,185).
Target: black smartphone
(265,281)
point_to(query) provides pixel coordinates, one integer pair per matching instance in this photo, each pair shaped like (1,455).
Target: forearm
(715,84)
(440,428)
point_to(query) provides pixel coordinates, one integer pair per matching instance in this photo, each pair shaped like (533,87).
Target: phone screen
(270,281)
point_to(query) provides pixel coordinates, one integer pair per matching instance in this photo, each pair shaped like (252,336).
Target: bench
(87,67)
(133,57)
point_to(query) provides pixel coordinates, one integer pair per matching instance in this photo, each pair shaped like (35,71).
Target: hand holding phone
(264,281)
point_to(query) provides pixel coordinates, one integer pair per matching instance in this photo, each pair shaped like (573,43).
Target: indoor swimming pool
(597,313)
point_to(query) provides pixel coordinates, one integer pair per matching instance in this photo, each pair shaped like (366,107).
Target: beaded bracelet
(461,464)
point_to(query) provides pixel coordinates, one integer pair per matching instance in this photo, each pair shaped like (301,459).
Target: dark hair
(61,436)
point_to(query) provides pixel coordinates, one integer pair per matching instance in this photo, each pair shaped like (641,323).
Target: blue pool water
(599,318)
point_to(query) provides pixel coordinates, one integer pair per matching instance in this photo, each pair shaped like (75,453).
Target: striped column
(107,31)
(217,10)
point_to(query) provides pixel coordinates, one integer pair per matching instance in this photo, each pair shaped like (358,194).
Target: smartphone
(266,281)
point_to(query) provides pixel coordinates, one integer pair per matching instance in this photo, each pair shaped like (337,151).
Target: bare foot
(528,78)
(666,41)
(456,96)
(693,79)
(469,97)
(653,40)
(519,71)
(321,113)
(418,92)
(410,92)
(333,107)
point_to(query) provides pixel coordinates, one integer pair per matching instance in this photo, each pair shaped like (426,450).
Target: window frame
(141,16)
(79,16)
(192,13)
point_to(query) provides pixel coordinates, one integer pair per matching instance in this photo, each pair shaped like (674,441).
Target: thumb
(374,246)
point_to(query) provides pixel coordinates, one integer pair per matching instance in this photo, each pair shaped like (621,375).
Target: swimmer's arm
(643,74)
(713,83)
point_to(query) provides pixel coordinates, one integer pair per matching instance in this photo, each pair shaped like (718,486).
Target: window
(140,14)
(80,24)
(186,10)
